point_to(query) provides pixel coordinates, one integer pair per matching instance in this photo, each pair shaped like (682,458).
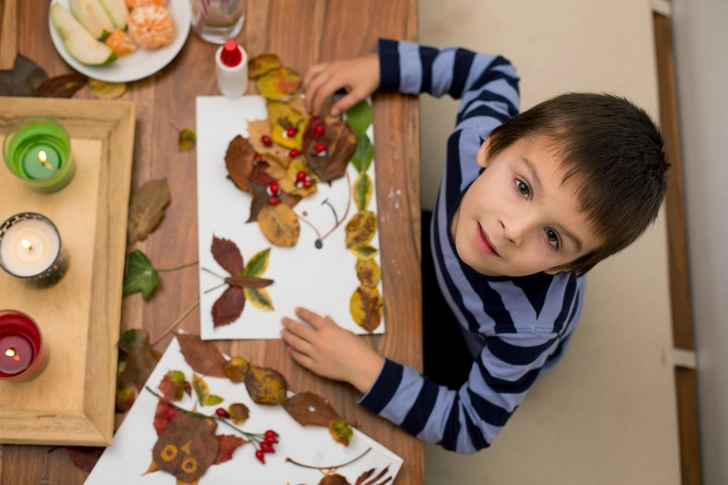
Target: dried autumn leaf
(368,272)
(187,139)
(164,415)
(203,392)
(360,117)
(248,282)
(228,307)
(84,457)
(104,90)
(239,412)
(334,479)
(202,356)
(141,358)
(361,228)
(366,307)
(257,129)
(187,447)
(287,181)
(361,191)
(308,408)
(340,142)
(259,298)
(341,432)
(257,264)
(239,162)
(140,275)
(298,103)
(262,64)
(363,154)
(23,79)
(362,480)
(283,116)
(64,86)
(279,225)
(326,112)
(235,369)
(363,251)
(125,397)
(279,83)
(266,386)
(228,444)
(147,209)
(227,255)
(172,386)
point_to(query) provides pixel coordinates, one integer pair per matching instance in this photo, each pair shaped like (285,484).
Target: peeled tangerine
(151,26)
(143,3)
(120,43)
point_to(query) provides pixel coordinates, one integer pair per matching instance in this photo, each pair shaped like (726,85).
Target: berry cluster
(303,180)
(273,191)
(263,443)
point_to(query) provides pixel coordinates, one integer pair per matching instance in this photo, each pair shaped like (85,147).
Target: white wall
(701,39)
(606,414)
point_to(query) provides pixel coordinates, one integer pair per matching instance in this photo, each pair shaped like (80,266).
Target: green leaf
(363,155)
(187,139)
(259,297)
(201,389)
(258,264)
(362,190)
(212,400)
(140,276)
(363,251)
(360,117)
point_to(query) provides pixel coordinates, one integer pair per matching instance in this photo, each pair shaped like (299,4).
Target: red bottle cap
(231,55)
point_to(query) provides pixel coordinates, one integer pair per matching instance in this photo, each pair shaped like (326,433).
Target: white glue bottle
(231,62)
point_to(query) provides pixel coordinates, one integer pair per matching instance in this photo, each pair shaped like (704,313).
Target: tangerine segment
(144,3)
(120,43)
(151,26)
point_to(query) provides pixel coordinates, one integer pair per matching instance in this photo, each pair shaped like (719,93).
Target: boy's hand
(330,351)
(359,77)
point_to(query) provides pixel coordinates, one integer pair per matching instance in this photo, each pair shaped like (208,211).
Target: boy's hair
(616,154)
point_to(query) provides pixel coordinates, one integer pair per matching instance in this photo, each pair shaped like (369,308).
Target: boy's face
(518,218)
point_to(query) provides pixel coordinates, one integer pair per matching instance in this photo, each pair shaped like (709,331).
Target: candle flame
(26,244)
(10,352)
(42,156)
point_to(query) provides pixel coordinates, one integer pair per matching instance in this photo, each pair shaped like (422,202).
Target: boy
(528,203)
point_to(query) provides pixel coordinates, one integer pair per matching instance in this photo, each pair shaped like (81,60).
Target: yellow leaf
(366,307)
(266,386)
(236,369)
(279,83)
(298,164)
(262,64)
(363,251)
(279,225)
(106,90)
(361,191)
(281,117)
(257,264)
(259,297)
(256,130)
(201,389)
(368,272)
(361,228)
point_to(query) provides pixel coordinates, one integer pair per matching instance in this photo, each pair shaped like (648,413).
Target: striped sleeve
(464,420)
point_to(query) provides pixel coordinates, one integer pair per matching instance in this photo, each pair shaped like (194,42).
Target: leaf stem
(177,267)
(328,467)
(216,287)
(213,274)
(176,323)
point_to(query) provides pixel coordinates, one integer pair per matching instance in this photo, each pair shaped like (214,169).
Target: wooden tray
(72,401)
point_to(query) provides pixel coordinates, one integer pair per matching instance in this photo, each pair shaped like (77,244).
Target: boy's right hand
(359,77)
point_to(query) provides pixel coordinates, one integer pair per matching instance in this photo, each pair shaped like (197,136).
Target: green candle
(38,151)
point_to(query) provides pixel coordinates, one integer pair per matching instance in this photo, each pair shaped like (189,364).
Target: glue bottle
(231,63)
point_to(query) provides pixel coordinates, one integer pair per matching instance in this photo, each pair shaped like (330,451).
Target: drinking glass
(217,20)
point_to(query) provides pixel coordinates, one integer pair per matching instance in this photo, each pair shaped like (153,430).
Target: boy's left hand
(330,351)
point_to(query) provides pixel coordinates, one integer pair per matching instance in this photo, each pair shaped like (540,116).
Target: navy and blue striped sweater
(514,327)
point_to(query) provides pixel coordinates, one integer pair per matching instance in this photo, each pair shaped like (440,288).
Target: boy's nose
(514,230)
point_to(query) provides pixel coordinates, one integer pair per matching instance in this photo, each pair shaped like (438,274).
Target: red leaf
(203,357)
(84,457)
(227,255)
(308,408)
(260,174)
(228,444)
(239,162)
(228,307)
(173,385)
(64,86)
(163,416)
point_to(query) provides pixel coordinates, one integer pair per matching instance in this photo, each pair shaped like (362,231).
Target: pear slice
(117,12)
(80,44)
(92,16)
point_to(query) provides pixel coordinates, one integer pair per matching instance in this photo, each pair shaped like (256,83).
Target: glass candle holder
(23,354)
(38,151)
(30,249)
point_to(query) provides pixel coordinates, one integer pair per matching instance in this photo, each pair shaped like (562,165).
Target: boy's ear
(481,158)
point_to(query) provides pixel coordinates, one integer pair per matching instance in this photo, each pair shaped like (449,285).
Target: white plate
(141,63)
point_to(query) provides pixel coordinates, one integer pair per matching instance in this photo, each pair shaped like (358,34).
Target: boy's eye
(523,188)
(552,238)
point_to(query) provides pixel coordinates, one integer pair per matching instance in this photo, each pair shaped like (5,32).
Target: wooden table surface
(302,33)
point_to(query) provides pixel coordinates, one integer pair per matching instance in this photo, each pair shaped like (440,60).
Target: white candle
(29,247)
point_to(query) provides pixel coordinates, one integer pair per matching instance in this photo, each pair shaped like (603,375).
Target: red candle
(22,352)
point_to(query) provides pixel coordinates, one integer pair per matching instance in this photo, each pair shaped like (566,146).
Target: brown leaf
(239,162)
(239,412)
(341,432)
(202,356)
(362,478)
(335,479)
(235,369)
(368,272)
(125,397)
(84,457)
(228,444)
(173,385)
(366,307)
(227,255)
(279,225)
(164,415)
(260,200)
(248,282)
(256,130)
(23,79)
(147,209)
(278,83)
(64,86)
(361,228)
(141,358)
(266,386)
(340,141)
(187,447)
(228,307)
(308,408)
(262,64)
(326,112)
(261,173)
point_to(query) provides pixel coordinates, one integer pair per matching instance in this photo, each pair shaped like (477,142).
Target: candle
(38,151)
(30,248)
(23,354)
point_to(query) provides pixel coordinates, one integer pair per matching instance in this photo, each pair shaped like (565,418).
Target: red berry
(294,153)
(266,140)
(273,200)
(318,130)
(271,439)
(257,157)
(221,412)
(266,447)
(270,432)
(274,187)
(291,132)
(320,147)
(300,176)
(307,183)
(260,456)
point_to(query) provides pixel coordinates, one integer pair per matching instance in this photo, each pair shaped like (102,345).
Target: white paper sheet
(320,280)
(131,453)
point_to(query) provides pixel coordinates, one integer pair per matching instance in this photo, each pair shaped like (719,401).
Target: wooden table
(302,33)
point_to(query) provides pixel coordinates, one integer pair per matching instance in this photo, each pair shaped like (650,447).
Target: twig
(215,288)
(213,274)
(328,467)
(177,267)
(176,323)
